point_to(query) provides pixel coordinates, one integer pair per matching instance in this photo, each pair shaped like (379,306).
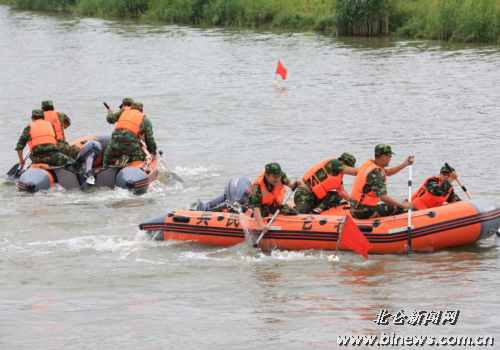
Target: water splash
(248,223)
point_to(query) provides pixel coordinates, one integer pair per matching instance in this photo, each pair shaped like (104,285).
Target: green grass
(448,20)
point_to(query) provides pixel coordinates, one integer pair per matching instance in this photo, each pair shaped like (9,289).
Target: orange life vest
(42,133)
(130,120)
(51,116)
(321,188)
(276,196)
(422,199)
(370,198)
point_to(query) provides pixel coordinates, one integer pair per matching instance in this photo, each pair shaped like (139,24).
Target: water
(77,273)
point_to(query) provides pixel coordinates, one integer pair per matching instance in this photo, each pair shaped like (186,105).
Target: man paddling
(436,190)
(125,106)
(322,187)
(131,126)
(40,135)
(268,192)
(370,187)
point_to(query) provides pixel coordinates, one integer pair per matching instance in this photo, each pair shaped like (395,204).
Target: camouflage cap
(37,113)
(127,101)
(446,170)
(348,159)
(273,168)
(136,105)
(383,149)
(47,103)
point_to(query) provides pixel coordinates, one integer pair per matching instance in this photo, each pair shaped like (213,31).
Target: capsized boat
(221,222)
(136,176)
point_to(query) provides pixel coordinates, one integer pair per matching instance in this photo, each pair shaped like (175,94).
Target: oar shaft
(274,216)
(459,183)
(408,250)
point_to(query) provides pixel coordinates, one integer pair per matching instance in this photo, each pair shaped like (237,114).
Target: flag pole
(333,258)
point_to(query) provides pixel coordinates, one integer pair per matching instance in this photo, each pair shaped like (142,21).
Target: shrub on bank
(456,20)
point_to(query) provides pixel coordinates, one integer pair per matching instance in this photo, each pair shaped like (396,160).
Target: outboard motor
(89,152)
(238,190)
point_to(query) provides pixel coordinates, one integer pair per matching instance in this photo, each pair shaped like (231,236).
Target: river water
(77,273)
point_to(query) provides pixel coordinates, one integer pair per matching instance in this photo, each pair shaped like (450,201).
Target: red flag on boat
(281,70)
(354,238)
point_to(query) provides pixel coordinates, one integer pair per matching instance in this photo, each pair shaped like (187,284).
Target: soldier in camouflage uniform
(370,186)
(62,144)
(273,179)
(44,153)
(125,106)
(126,142)
(436,190)
(308,199)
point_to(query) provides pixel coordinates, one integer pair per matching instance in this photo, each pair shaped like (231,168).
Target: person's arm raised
(396,169)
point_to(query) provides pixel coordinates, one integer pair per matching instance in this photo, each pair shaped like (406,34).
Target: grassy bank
(454,20)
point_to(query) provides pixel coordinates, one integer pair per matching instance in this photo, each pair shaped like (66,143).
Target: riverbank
(448,20)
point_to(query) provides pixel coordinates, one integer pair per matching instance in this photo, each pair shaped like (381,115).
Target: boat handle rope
(377,223)
(430,214)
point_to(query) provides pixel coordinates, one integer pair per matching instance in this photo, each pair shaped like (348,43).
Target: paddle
(105,105)
(408,247)
(463,187)
(277,211)
(15,171)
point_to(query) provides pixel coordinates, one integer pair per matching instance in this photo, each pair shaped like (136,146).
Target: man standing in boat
(60,121)
(131,126)
(370,187)
(268,192)
(322,187)
(125,106)
(436,190)
(40,135)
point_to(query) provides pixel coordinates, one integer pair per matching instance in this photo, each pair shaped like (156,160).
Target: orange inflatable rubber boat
(443,227)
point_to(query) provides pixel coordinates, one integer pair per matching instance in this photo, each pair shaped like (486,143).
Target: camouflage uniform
(63,145)
(305,200)
(71,151)
(376,183)
(112,118)
(256,196)
(433,187)
(124,142)
(47,154)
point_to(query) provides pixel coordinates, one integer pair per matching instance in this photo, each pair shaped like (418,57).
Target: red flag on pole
(281,70)
(354,238)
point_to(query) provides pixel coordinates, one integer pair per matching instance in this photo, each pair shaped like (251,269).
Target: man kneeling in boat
(40,135)
(370,187)
(322,187)
(268,192)
(131,126)
(436,190)
(60,121)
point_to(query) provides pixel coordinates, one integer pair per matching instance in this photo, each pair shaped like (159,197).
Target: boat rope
(323,219)
(376,223)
